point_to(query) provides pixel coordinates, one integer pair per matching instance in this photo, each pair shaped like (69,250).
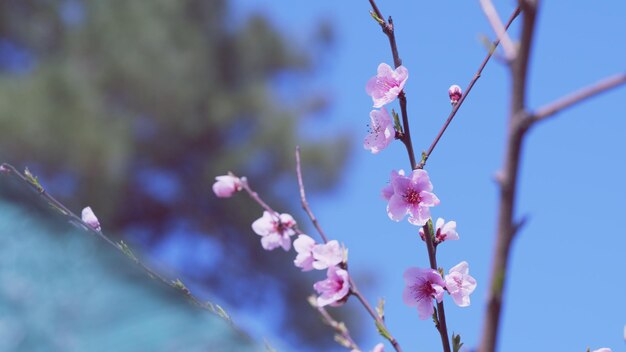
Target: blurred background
(134,107)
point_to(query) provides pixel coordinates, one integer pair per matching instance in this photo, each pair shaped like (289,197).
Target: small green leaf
(431,229)
(456,343)
(382,330)
(396,121)
(129,253)
(435,319)
(487,43)
(33,180)
(222,313)
(380,308)
(342,341)
(376,18)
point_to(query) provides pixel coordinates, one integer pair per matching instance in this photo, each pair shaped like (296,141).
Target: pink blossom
(304,247)
(226,185)
(387,191)
(455,94)
(381,132)
(327,255)
(460,284)
(411,195)
(603,349)
(4,169)
(316,256)
(90,218)
(443,232)
(422,285)
(334,290)
(387,84)
(275,230)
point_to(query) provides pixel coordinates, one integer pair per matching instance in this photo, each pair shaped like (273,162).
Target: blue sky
(566,284)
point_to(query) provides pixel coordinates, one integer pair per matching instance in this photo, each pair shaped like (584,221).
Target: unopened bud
(90,218)
(455,94)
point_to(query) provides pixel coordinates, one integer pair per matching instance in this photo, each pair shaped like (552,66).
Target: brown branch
(498,27)
(305,204)
(506,225)
(441,315)
(255,196)
(389,30)
(379,321)
(578,96)
(457,106)
(353,288)
(519,122)
(343,336)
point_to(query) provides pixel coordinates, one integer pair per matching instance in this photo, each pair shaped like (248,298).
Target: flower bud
(90,218)
(455,94)
(226,185)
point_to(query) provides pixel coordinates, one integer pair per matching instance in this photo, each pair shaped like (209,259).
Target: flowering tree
(410,195)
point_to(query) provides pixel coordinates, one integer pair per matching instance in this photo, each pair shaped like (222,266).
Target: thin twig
(389,30)
(343,334)
(353,288)
(517,128)
(380,324)
(256,198)
(34,184)
(305,204)
(498,27)
(457,106)
(578,96)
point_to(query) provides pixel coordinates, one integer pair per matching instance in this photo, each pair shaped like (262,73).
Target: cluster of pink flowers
(276,231)
(412,195)
(424,285)
(406,195)
(383,88)
(335,288)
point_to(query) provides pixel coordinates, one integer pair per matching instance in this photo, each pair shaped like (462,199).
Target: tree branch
(388,28)
(305,204)
(342,333)
(517,127)
(457,106)
(32,181)
(353,288)
(578,97)
(441,314)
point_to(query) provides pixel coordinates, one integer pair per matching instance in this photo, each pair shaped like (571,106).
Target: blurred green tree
(134,108)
